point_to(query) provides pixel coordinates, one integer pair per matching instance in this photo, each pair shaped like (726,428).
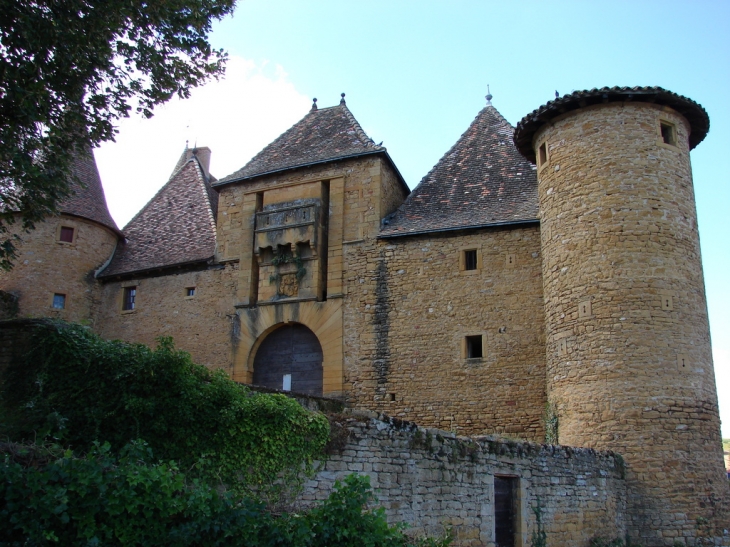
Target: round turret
(629,365)
(54,273)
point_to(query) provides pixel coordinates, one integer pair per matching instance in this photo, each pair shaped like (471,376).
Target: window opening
(66,235)
(130,296)
(542,154)
(470,260)
(505,511)
(190,291)
(59,301)
(474,347)
(669,135)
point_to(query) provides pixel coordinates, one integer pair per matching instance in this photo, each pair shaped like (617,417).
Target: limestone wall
(431,479)
(47,266)
(629,364)
(202,325)
(411,305)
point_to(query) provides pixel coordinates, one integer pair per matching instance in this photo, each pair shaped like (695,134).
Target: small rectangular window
(474,347)
(190,291)
(59,301)
(669,133)
(130,296)
(66,234)
(470,260)
(542,155)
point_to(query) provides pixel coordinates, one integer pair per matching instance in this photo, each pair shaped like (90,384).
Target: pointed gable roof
(176,227)
(321,136)
(88,200)
(482,181)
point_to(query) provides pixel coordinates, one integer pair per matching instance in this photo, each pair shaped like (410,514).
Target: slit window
(66,234)
(59,301)
(669,133)
(130,297)
(542,154)
(470,259)
(474,347)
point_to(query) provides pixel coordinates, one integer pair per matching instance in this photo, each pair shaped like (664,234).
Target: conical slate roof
(176,227)
(323,135)
(482,181)
(88,201)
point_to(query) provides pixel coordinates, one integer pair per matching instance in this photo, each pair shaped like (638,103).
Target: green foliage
(76,388)
(616,542)
(551,422)
(131,500)
(71,69)
(539,536)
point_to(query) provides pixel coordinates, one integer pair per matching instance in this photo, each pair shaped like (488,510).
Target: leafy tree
(70,69)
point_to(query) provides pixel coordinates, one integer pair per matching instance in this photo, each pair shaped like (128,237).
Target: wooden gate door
(504,511)
(293,351)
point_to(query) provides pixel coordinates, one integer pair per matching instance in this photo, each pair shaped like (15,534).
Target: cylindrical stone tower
(629,366)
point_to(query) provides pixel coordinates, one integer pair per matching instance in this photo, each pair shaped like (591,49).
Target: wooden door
(290,350)
(505,504)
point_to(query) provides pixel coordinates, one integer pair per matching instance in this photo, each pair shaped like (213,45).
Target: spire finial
(186,144)
(314,103)
(342,100)
(488,97)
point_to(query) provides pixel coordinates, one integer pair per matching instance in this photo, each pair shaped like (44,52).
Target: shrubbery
(144,447)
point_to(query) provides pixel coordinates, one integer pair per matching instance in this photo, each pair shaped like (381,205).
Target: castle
(555,265)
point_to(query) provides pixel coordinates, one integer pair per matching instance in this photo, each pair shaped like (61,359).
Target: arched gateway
(290,358)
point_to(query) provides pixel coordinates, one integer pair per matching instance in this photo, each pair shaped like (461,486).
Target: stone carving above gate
(289,245)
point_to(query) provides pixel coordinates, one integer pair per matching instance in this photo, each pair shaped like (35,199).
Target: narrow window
(59,301)
(542,154)
(286,383)
(130,295)
(66,234)
(190,291)
(669,134)
(506,502)
(470,260)
(474,347)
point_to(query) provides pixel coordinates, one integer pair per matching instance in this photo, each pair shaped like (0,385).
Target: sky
(415,74)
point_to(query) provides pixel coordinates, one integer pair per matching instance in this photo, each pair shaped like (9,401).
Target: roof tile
(176,227)
(483,180)
(88,201)
(322,135)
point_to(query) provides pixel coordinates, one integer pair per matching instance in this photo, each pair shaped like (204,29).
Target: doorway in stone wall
(290,358)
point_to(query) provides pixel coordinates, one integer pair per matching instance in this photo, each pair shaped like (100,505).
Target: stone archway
(290,357)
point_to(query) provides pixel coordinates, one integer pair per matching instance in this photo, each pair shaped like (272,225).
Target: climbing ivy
(77,389)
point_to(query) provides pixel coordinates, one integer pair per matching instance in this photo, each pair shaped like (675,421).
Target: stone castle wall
(432,480)
(412,304)
(202,325)
(46,266)
(629,364)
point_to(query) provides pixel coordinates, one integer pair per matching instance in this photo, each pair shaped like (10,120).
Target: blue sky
(415,74)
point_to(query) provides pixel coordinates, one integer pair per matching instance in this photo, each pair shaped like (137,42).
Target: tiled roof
(88,201)
(481,181)
(322,135)
(176,227)
(529,125)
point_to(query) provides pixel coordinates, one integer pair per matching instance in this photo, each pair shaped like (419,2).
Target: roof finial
(342,100)
(186,144)
(488,97)
(314,103)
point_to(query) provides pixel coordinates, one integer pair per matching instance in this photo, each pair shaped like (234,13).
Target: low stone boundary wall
(432,479)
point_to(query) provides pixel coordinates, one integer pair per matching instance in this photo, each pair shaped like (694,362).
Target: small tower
(54,274)
(629,365)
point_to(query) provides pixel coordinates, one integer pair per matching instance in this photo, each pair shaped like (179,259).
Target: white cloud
(235,117)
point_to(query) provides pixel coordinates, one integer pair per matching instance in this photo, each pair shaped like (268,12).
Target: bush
(78,389)
(130,500)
